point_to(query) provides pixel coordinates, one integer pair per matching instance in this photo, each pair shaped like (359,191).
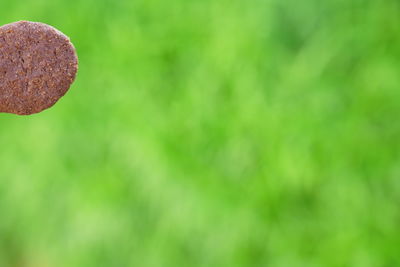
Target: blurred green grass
(210,133)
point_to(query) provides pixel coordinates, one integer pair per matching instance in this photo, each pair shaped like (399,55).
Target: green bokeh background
(210,133)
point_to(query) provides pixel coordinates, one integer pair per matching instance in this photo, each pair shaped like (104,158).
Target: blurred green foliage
(210,133)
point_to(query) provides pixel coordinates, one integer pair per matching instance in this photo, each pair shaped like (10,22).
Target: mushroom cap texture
(38,64)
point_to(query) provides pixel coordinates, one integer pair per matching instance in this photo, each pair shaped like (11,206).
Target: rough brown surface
(38,64)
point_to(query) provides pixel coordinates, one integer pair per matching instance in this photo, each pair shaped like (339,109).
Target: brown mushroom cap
(38,64)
